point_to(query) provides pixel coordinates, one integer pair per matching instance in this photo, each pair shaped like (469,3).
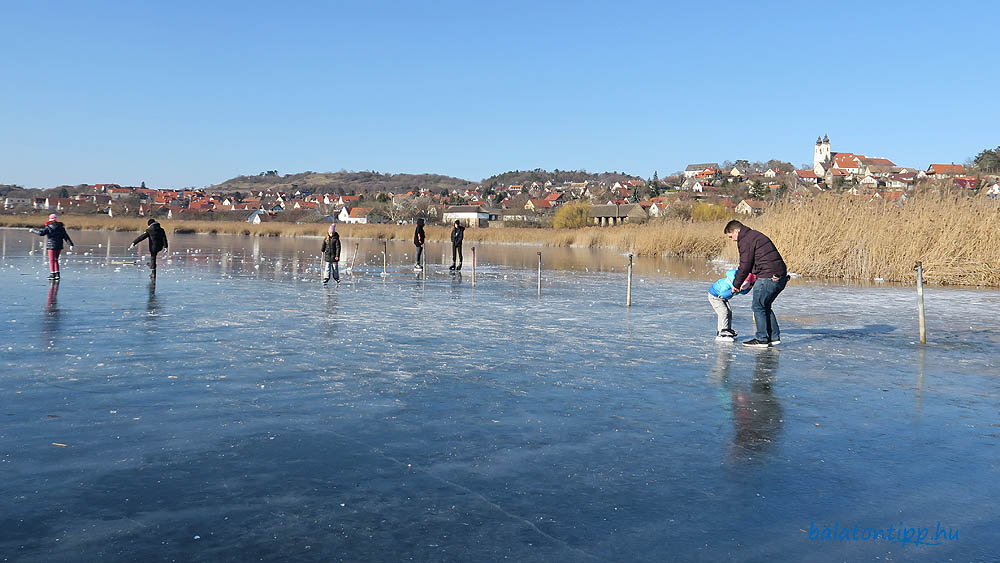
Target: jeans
(764,293)
(420,252)
(456,249)
(723,311)
(331,268)
(152,260)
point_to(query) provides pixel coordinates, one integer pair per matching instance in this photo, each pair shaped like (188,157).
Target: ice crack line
(477,494)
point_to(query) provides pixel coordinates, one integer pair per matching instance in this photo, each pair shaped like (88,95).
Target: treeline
(526,177)
(344,183)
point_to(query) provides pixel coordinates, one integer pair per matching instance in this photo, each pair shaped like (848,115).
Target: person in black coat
(760,257)
(157,241)
(418,240)
(457,236)
(331,255)
(56,233)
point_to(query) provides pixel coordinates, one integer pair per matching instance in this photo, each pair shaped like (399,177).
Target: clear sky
(192,93)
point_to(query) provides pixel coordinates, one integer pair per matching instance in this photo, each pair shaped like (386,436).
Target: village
(740,188)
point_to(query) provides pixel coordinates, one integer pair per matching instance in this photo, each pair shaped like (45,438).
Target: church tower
(822,155)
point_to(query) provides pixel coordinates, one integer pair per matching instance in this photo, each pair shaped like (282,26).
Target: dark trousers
(420,252)
(152,260)
(456,250)
(765,290)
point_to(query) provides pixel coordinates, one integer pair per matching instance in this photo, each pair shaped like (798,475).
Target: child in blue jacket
(719,295)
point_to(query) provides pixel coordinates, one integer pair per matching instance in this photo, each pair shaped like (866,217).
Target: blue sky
(192,93)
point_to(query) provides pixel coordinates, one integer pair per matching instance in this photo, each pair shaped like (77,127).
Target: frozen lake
(238,410)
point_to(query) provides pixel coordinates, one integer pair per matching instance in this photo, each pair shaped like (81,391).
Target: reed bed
(955,237)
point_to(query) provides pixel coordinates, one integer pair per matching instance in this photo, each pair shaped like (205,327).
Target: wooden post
(356,245)
(628,292)
(539,274)
(385,258)
(473,266)
(423,263)
(920,301)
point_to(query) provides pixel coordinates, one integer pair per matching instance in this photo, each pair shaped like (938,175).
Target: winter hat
(333,229)
(52,217)
(151,221)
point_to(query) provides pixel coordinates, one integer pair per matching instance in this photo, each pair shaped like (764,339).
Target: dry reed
(842,237)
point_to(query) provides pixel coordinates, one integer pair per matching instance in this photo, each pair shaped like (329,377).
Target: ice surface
(239,410)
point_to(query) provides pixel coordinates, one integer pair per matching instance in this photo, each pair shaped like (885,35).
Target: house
(470,215)
(772,173)
(538,205)
(945,170)
(701,170)
(58,203)
(259,216)
(868,182)
(16,201)
(806,176)
(965,182)
(902,180)
(751,207)
(891,196)
(994,190)
(357,215)
(607,215)
(118,193)
(555,199)
(834,173)
(348,200)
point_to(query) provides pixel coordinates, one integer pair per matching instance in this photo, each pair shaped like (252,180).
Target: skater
(457,236)
(719,295)
(331,255)
(759,256)
(157,242)
(56,233)
(418,240)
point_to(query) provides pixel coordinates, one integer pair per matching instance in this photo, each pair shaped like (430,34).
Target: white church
(827,163)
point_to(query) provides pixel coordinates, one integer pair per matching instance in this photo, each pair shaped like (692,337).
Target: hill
(343,183)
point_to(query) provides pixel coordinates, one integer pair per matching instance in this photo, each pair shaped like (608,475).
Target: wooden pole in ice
(628,292)
(920,301)
(356,245)
(473,266)
(385,258)
(539,274)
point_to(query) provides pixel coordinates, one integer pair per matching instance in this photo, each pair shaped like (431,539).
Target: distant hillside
(558,177)
(348,183)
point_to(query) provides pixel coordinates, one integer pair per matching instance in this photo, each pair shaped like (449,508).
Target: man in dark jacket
(56,233)
(457,236)
(331,255)
(418,240)
(157,242)
(759,256)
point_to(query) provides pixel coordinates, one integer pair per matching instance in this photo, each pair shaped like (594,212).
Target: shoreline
(828,238)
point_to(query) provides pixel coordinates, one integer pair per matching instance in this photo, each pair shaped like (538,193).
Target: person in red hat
(56,233)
